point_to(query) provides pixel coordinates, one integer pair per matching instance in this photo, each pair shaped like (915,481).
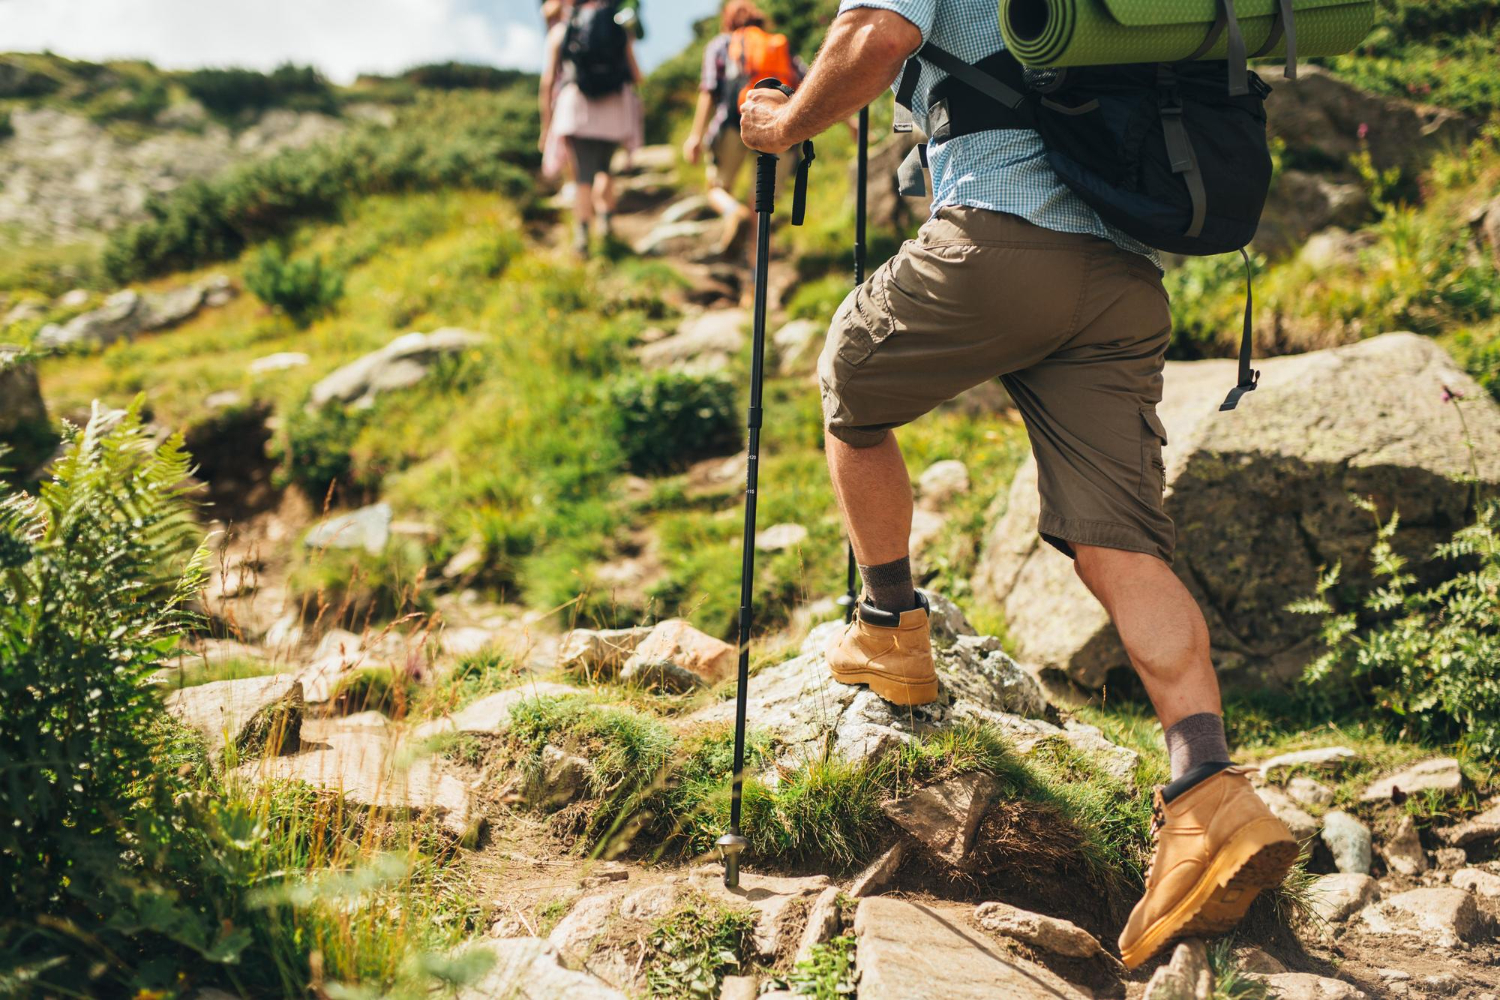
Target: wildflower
(1364,131)
(1451,395)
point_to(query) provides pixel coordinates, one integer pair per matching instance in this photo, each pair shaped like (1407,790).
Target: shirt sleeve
(921,13)
(713,64)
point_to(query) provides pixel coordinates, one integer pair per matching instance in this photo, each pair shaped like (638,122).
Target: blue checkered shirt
(1002,171)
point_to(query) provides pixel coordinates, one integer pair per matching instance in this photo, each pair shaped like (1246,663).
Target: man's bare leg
(1161,626)
(874,492)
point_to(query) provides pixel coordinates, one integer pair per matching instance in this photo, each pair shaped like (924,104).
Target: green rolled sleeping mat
(1057,33)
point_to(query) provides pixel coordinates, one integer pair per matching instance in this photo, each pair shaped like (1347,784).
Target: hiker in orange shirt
(743,53)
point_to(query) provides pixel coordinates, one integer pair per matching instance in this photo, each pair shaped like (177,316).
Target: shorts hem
(1064,533)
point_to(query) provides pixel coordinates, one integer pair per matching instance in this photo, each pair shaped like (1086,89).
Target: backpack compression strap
(1285,24)
(1249,377)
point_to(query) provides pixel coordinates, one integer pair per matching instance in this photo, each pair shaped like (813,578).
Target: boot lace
(1158,821)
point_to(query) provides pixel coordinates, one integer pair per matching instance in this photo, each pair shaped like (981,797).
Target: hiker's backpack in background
(595,48)
(755,54)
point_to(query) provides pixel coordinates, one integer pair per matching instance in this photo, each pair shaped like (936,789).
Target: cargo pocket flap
(1154,422)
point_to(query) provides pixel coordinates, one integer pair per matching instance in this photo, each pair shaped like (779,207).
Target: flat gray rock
(1440,774)
(401,364)
(1403,849)
(1305,986)
(1319,757)
(491,714)
(530,969)
(1440,916)
(907,951)
(368,528)
(946,815)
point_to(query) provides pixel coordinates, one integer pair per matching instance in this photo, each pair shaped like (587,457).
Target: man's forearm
(863,54)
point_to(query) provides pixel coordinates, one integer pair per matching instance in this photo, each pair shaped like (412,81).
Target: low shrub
(1422,659)
(137,101)
(315,452)
(466,76)
(7,128)
(693,948)
(478,140)
(668,420)
(302,290)
(233,92)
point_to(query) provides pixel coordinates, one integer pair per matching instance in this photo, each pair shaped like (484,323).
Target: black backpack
(594,48)
(1175,155)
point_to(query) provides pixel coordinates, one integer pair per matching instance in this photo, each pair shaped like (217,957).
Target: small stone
(1334,897)
(1257,961)
(464,562)
(1441,917)
(1393,975)
(368,528)
(1305,986)
(738,988)
(1349,840)
(945,816)
(1477,881)
(1053,934)
(677,642)
(823,921)
(1403,851)
(1322,757)
(797,345)
(401,364)
(942,482)
(660,675)
(283,361)
(1441,774)
(1451,857)
(1309,792)
(1446,982)
(253,714)
(880,872)
(781,537)
(599,653)
(1186,977)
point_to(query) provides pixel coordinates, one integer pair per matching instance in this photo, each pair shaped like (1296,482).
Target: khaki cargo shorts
(1075,327)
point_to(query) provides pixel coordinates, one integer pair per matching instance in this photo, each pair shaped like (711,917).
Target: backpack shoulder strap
(955,67)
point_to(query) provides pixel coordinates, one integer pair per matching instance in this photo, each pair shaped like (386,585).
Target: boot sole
(897,692)
(1251,862)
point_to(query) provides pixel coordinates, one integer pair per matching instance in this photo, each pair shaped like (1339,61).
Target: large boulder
(1302,203)
(400,364)
(1260,496)
(21,405)
(888,208)
(1324,120)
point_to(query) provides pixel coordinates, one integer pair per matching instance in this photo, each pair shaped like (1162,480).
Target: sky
(341,37)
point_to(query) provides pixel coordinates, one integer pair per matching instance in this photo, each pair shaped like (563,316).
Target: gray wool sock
(1196,740)
(889,586)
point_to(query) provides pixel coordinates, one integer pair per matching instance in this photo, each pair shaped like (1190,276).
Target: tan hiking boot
(894,660)
(1217,846)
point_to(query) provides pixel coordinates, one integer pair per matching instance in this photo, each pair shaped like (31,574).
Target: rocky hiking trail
(978,880)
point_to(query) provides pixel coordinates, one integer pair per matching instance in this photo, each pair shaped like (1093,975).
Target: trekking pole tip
(731,846)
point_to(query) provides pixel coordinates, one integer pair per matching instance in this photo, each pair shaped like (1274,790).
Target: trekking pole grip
(765,163)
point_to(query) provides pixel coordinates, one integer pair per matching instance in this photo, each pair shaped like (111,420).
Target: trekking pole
(861,217)
(733,844)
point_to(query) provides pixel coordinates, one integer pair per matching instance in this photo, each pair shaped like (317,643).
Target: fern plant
(1424,657)
(95,572)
